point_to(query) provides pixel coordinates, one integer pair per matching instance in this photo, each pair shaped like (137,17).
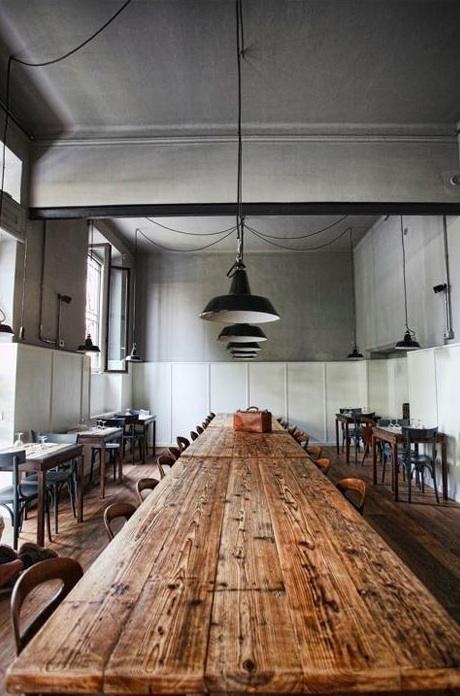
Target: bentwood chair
(193,435)
(116,511)
(182,443)
(323,464)
(165,460)
(20,494)
(414,462)
(145,484)
(134,437)
(314,451)
(64,475)
(199,429)
(174,452)
(354,490)
(65,569)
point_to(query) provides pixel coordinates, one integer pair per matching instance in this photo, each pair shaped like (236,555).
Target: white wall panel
(8,361)
(346,385)
(65,390)
(447,363)
(190,396)
(306,398)
(398,386)
(267,387)
(422,387)
(229,387)
(33,389)
(378,388)
(152,391)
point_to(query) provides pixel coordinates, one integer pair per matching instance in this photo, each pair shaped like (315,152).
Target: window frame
(125,370)
(101,340)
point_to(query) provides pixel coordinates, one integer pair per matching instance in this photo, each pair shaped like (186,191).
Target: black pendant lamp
(133,357)
(355,353)
(409,342)
(239,305)
(4,328)
(243,347)
(243,356)
(88,346)
(242,333)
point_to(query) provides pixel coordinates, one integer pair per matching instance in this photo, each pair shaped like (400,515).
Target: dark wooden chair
(414,462)
(133,436)
(354,490)
(65,569)
(366,426)
(182,443)
(212,414)
(199,429)
(314,451)
(165,460)
(174,452)
(20,494)
(323,464)
(193,435)
(115,511)
(145,484)
(64,475)
(204,424)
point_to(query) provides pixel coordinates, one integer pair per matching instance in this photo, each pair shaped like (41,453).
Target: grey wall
(65,272)
(379,281)
(312,293)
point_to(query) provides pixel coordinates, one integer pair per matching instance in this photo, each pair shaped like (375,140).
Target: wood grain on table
(244,575)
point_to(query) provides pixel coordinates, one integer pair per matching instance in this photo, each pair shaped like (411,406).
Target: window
(118,329)
(94,306)
(13,173)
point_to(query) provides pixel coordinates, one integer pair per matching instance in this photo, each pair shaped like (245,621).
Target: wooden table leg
(444,468)
(120,464)
(154,438)
(336,435)
(102,470)
(374,459)
(395,469)
(81,480)
(41,508)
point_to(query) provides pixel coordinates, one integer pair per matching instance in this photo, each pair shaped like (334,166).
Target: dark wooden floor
(425,535)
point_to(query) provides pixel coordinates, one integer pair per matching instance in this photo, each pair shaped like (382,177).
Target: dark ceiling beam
(250,209)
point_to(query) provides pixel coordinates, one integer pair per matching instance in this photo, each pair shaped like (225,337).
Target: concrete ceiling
(167,67)
(195,233)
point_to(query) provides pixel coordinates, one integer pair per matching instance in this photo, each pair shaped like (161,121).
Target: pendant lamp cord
(412,333)
(240,51)
(134,285)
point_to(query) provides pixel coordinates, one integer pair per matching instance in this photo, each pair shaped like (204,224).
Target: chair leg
(409,483)
(433,474)
(48,519)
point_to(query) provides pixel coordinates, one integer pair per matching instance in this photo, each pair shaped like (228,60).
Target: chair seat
(29,491)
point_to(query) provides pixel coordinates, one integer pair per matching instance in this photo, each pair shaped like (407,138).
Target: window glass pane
(13,173)
(93,307)
(118,319)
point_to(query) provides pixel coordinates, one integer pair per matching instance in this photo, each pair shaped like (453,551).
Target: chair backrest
(419,436)
(212,414)
(145,484)
(366,427)
(323,464)
(383,422)
(314,451)
(8,460)
(114,422)
(193,435)
(204,425)
(65,569)
(182,443)
(165,460)
(354,490)
(61,438)
(114,511)
(174,452)
(199,429)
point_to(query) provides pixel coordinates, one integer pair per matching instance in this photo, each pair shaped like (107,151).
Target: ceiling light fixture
(133,356)
(409,341)
(355,353)
(243,347)
(242,333)
(239,305)
(88,346)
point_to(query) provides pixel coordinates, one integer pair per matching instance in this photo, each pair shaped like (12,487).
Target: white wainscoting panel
(447,363)
(190,396)
(34,389)
(66,390)
(152,389)
(379,387)
(8,362)
(228,387)
(306,398)
(346,385)
(398,386)
(422,387)
(267,387)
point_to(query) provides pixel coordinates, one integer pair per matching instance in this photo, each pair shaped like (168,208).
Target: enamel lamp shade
(355,354)
(243,347)
(239,306)
(133,357)
(409,342)
(88,346)
(242,333)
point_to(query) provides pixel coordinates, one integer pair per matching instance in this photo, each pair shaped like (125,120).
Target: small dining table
(393,436)
(346,419)
(40,458)
(145,420)
(98,437)
(241,575)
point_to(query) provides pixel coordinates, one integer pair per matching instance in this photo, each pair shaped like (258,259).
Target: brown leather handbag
(252,420)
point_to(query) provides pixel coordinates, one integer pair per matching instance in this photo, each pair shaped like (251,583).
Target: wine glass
(42,439)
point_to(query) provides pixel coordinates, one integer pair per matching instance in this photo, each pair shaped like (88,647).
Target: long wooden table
(244,575)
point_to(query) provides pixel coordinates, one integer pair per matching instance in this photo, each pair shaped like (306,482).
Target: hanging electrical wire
(185,251)
(41,64)
(192,234)
(315,248)
(301,236)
